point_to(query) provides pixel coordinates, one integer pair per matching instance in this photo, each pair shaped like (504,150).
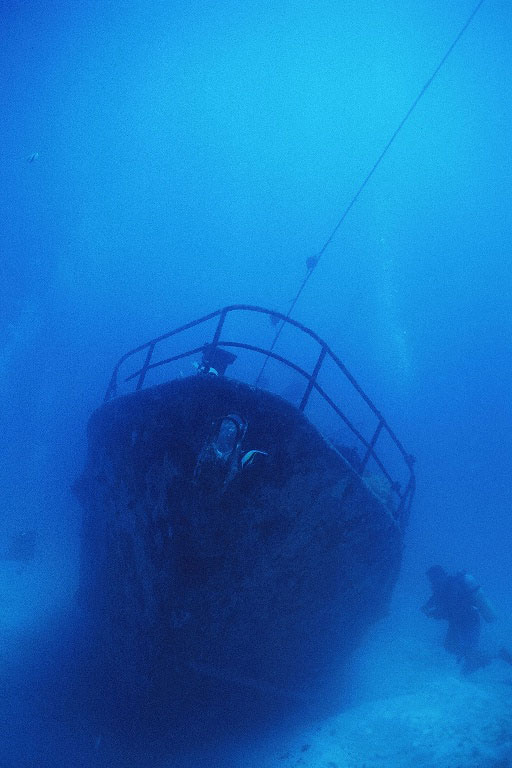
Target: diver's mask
(230,434)
(219,460)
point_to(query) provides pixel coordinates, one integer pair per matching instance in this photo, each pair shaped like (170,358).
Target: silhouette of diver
(459,600)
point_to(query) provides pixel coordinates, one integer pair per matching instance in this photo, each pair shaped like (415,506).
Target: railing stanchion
(145,367)
(218,330)
(371,446)
(112,387)
(312,380)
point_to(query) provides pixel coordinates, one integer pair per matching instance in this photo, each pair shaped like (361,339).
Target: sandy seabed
(410,704)
(448,723)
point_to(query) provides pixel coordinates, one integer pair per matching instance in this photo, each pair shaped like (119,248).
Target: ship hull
(263,580)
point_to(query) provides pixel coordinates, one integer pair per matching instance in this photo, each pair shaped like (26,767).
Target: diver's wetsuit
(453,599)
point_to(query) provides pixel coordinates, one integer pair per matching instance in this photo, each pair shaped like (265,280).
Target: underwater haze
(162,160)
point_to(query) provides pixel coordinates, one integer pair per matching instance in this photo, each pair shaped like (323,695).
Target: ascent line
(312,263)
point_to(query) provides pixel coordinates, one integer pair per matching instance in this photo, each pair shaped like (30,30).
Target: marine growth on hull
(230,542)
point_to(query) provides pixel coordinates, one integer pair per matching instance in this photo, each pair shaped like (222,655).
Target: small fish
(274,319)
(33,157)
(248,458)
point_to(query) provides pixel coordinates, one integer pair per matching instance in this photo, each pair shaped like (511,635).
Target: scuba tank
(484,607)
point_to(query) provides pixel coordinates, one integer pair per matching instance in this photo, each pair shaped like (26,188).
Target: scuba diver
(222,457)
(459,600)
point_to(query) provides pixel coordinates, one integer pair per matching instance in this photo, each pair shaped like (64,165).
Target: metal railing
(402,495)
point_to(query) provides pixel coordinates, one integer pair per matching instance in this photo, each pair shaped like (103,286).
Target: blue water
(192,155)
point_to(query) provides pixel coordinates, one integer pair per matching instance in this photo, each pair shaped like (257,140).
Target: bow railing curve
(401,493)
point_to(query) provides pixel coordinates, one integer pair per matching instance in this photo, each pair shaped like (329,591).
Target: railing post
(371,446)
(406,498)
(313,379)
(218,330)
(145,367)
(112,387)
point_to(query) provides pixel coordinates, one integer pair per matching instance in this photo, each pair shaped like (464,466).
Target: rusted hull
(263,582)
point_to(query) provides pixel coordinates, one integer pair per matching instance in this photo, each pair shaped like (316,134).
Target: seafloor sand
(447,723)
(410,705)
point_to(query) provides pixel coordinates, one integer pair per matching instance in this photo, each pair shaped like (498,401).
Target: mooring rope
(312,261)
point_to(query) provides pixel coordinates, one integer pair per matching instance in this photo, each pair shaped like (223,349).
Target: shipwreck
(244,507)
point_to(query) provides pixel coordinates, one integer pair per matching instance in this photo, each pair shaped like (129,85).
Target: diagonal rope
(312,262)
